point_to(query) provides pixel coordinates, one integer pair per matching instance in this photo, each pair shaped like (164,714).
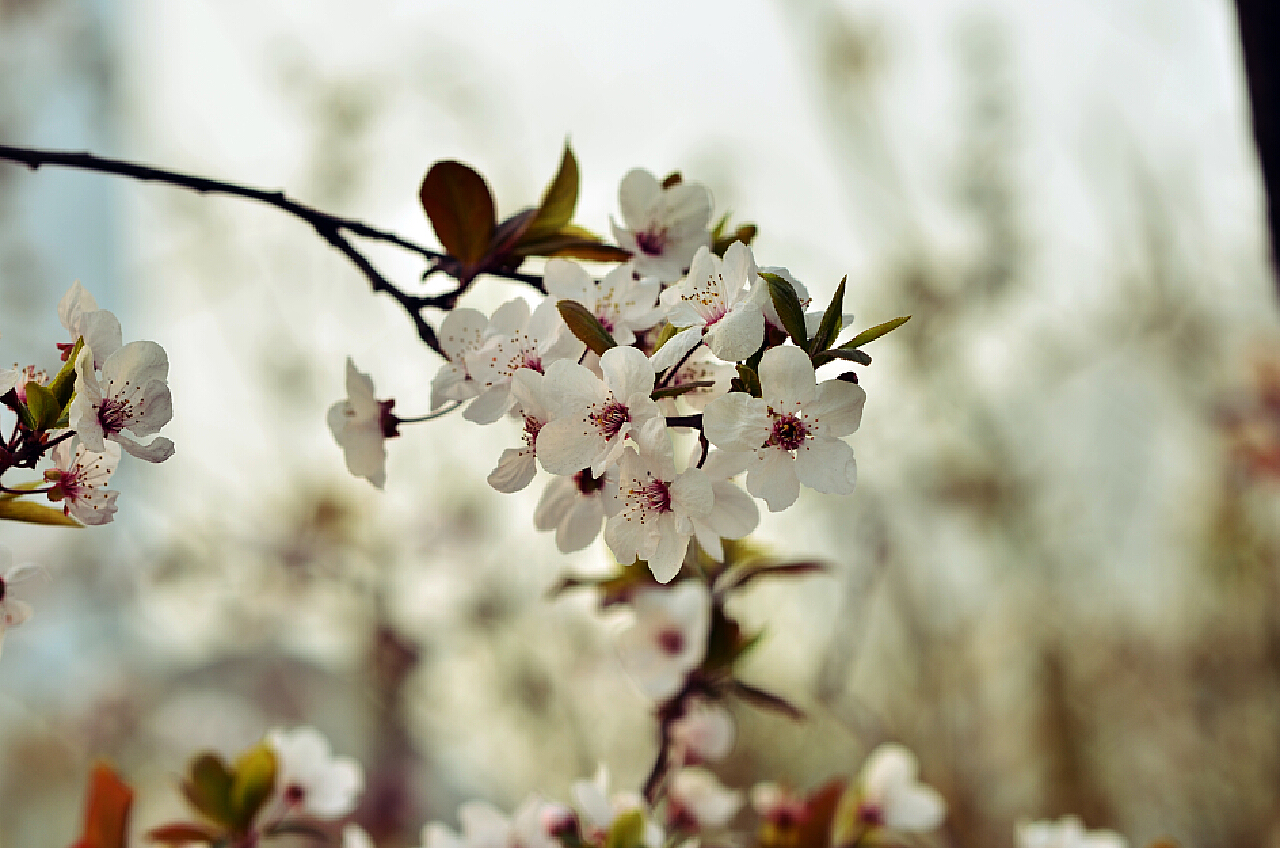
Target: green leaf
(34,513)
(559,200)
(685,388)
(875,332)
(789,308)
(208,788)
(252,783)
(45,409)
(830,327)
(627,831)
(460,206)
(585,326)
(750,381)
(859,356)
(63,384)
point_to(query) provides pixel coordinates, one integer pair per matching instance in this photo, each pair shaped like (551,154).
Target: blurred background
(1057,581)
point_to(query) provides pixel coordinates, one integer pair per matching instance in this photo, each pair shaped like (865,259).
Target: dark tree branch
(331,228)
(1259,23)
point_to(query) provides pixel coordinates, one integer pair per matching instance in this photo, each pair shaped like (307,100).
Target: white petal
(838,408)
(556,501)
(665,562)
(159,449)
(137,362)
(567,280)
(737,335)
(627,372)
(569,389)
(13,612)
(773,477)
(675,349)
(888,767)
(508,318)
(692,493)
(827,465)
(735,513)
(101,331)
(461,330)
(76,302)
(581,526)
(568,445)
(492,404)
(360,392)
(736,421)
(516,468)
(916,807)
(639,192)
(786,378)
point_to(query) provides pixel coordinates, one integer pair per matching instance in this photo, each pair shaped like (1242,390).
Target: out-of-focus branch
(1259,23)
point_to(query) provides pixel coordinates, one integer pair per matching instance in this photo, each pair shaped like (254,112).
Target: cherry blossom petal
(571,388)
(627,372)
(568,445)
(735,513)
(581,525)
(773,477)
(738,334)
(666,559)
(554,505)
(567,280)
(827,465)
(490,406)
(158,449)
(515,470)
(675,348)
(736,422)
(838,408)
(916,807)
(692,493)
(786,378)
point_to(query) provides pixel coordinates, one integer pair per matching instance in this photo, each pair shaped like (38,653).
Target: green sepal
(750,381)
(252,783)
(873,333)
(208,789)
(461,208)
(585,326)
(789,309)
(559,200)
(627,831)
(34,513)
(63,384)
(44,407)
(848,355)
(830,327)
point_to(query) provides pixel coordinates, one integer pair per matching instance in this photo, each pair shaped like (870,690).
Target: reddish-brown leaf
(181,833)
(106,817)
(458,202)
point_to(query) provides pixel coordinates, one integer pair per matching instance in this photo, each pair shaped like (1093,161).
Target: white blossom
(463,332)
(575,506)
(360,425)
(792,432)
(309,779)
(100,329)
(888,794)
(699,801)
(133,396)
(657,510)
(13,612)
(720,302)
(600,809)
(664,227)
(542,338)
(80,480)
(517,466)
(621,303)
(1067,832)
(484,826)
(703,734)
(668,637)
(592,417)
(733,513)
(17,378)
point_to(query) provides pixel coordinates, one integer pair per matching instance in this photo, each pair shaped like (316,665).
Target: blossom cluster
(647,392)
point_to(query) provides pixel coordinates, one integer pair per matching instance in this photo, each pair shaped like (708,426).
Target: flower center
(294,795)
(652,243)
(670,641)
(870,814)
(532,361)
(531,428)
(655,497)
(112,414)
(611,418)
(588,485)
(788,432)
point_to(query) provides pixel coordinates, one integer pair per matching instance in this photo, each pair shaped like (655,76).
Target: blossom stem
(670,375)
(430,415)
(19,492)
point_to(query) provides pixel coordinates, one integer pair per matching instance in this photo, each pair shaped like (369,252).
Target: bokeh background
(1057,581)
